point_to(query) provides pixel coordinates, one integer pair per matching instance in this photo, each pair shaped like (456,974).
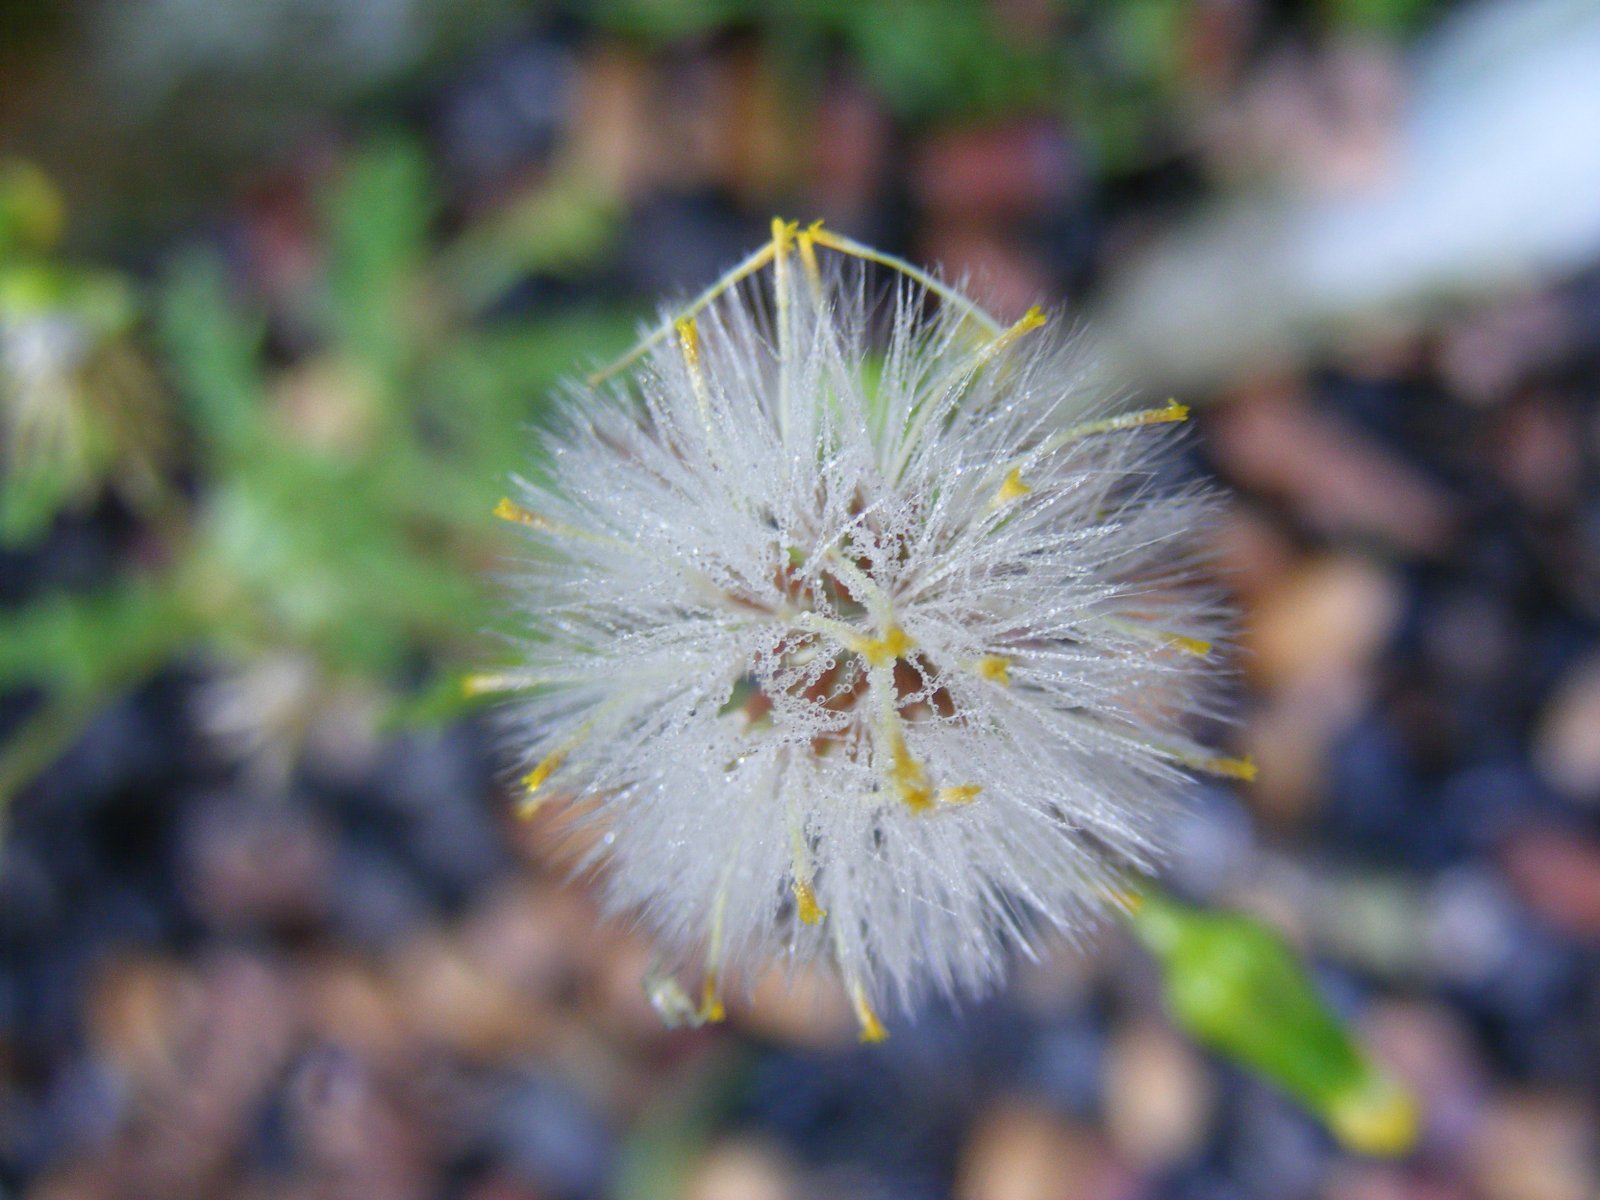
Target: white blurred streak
(1493,182)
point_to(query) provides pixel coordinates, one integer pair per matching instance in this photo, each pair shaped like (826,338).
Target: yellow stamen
(711,1007)
(996,668)
(483,683)
(958,379)
(805,899)
(783,236)
(506,510)
(843,245)
(1169,412)
(783,233)
(872,1029)
(1129,898)
(1232,768)
(710,993)
(1031,320)
(517,515)
(1213,764)
(807,243)
(1012,489)
(535,779)
(689,346)
(689,341)
(907,774)
(894,644)
(547,766)
(1193,645)
(759,259)
(814,236)
(1172,411)
(964,793)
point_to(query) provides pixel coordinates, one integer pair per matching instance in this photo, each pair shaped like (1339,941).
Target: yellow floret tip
(482,683)
(535,779)
(805,899)
(906,774)
(1196,646)
(1013,488)
(872,1029)
(962,793)
(996,668)
(515,513)
(784,233)
(807,243)
(711,1006)
(894,644)
(689,339)
(507,510)
(1232,768)
(1030,321)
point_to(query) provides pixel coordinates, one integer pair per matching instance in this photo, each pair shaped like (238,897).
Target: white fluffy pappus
(866,636)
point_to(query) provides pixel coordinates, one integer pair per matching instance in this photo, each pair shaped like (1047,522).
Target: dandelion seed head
(866,631)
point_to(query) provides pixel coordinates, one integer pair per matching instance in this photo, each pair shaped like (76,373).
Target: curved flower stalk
(867,635)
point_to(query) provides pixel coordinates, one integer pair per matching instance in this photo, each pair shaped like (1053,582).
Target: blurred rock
(509,110)
(549,1137)
(1018,1151)
(1336,480)
(353,1142)
(1490,349)
(1558,875)
(742,1170)
(1065,1065)
(1006,277)
(1432,1052)
(1567,741)
(1537,1147)
(1329,617)
(998,173)
(1375,1181)
(1157,1096)
(453,1000)
(253,863)
(851,153)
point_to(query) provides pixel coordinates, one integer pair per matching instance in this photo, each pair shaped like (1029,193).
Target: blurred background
(282,285)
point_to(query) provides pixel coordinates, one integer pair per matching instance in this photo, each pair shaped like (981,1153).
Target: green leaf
(32,211)
(91,644)
(377,222)
(1235,985)
(214,352)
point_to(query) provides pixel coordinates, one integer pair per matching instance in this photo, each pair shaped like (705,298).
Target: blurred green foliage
(331,506)
(1120,74)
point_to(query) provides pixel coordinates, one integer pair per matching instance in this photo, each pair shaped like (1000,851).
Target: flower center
(861,676)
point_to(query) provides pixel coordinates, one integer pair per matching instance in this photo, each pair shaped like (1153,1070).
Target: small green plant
(335,524)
